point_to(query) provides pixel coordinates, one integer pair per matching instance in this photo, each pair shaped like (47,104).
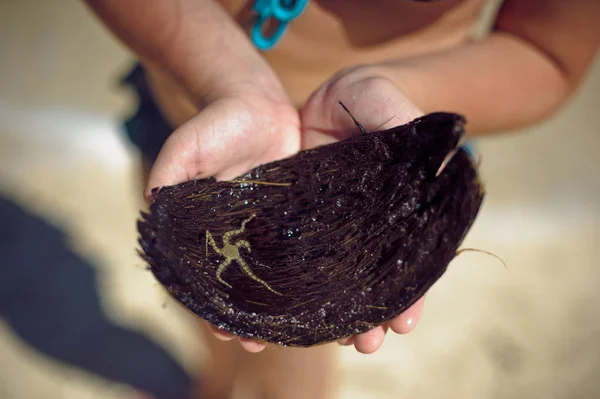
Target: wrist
(203,86)
(182,97)
(255,84)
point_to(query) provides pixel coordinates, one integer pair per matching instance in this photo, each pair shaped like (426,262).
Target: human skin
(234,108)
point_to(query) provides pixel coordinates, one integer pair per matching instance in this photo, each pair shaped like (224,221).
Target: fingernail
(223,337)
(251,345)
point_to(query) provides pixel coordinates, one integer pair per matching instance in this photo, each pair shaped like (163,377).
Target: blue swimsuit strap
(282,11)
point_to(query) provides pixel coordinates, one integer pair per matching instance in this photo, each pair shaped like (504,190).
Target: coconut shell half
(323,245)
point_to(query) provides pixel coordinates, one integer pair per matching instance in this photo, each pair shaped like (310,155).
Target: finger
(247,344)
(346,341)
(370,341)
(251,345)
(375,102)
(407,321)
(221,335)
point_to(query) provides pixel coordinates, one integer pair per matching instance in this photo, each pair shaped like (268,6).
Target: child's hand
(376,103)
(230,136)
(240,131)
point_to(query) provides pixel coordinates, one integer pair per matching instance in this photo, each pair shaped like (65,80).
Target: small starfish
(231,253)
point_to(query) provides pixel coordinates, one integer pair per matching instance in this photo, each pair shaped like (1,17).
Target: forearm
(195,42)
(499,84)
(537,56)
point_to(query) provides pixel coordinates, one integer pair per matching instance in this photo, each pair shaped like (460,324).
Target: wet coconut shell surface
(323,245)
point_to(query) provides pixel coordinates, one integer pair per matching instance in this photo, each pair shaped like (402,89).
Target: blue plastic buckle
(283,11)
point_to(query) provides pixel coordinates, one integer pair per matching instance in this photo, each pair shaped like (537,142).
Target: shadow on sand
(49,297)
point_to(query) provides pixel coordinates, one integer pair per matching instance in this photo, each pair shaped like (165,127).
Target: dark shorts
(146,128)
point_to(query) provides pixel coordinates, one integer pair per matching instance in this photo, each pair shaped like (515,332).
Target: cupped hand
(376,103)
(228,137)
(238,132)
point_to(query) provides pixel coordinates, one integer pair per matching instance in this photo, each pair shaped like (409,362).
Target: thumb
(376,103)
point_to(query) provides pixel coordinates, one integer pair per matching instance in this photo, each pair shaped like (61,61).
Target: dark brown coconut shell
(343,237)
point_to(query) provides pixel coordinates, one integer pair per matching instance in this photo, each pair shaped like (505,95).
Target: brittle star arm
(232,233)
(222,267)
(243,244)
(210,240)
(246,269)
